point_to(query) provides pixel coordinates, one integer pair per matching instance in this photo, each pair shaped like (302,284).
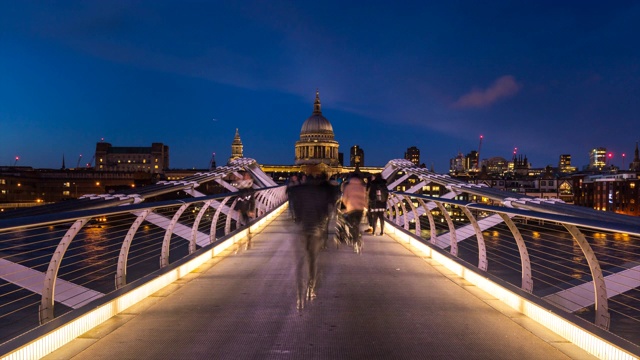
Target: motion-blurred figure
(354,198)
(312,203)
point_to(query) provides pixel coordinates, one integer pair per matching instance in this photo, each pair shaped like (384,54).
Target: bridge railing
(65,261)
(585,267)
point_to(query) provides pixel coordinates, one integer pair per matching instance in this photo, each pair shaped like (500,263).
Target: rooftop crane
(91,161)
(78,164)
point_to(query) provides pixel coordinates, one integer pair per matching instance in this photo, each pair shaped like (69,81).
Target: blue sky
(547,77)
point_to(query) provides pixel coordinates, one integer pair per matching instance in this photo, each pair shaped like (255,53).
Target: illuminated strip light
(63,334)
(582,338)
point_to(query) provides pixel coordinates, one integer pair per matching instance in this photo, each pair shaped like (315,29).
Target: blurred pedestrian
(312,203)
(246,202)
(354,198)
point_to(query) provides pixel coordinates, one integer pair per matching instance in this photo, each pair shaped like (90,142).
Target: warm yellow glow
(133,185)
(621,237)
(97,183)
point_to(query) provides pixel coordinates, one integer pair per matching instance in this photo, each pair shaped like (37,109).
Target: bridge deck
(385,303)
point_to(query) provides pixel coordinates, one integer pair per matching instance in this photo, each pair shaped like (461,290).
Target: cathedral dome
(317,124)
(317,145)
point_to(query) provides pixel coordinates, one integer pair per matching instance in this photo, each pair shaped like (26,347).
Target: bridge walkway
(386,303)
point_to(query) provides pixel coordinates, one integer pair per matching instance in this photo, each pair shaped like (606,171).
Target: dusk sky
(547,77)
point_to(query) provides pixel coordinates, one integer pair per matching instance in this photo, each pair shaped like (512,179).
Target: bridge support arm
(482,249)
(600,288)
(164,256)
(121,270)
(452,229)
(48,291)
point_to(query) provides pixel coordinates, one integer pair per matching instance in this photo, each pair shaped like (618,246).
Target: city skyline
(547,78)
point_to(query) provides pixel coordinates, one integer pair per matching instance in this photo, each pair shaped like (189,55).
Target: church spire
(236,147)
(316,104)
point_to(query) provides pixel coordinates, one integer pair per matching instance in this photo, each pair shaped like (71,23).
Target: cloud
(503,87)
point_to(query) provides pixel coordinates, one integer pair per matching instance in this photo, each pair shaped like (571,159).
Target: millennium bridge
(476,273)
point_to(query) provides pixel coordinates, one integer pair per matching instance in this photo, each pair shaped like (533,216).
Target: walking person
(354,198)
(246,202)
(312,203)
(378,195)
(291,182)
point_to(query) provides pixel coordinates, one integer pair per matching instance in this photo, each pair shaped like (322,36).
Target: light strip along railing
(69,259)
(586,267)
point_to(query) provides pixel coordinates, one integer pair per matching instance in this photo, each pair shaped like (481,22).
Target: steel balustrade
(517,221)
(77,266)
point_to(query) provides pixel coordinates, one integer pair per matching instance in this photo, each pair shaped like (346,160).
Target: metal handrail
(568,254)
(56,259)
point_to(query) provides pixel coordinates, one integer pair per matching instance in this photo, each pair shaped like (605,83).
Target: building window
(3,182)
(66,184)
(66,193)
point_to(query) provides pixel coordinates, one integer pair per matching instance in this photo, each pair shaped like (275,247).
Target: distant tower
(598,158)
(356,157)
(212,163)
(635,164)
(63,165)
(564,165)
(236,147)
(413,154)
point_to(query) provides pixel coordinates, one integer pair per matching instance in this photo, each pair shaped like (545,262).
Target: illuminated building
(236,148)
(617,193)
(413,154)
(598,158)
(317,149)
(153,159)
(564,165)
(356,156)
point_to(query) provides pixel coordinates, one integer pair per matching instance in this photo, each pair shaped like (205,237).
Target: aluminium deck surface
(385,303)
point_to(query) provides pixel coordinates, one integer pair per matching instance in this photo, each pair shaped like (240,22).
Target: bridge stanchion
(432,223)
(121,270)
(453,240)
(48,291)
(164,255)
(600,288)
(415,215)
(196,223)
(482,249)
(525,261)
(214,221)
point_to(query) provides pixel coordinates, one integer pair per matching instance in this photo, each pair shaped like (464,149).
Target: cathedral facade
(317,150)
